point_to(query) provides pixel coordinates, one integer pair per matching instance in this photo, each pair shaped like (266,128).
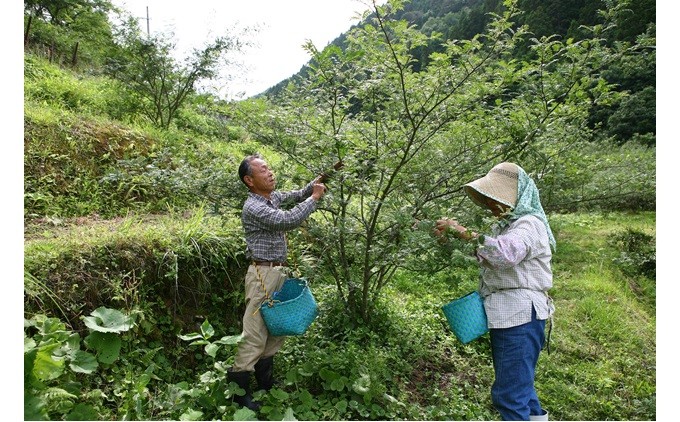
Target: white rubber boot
(543,417)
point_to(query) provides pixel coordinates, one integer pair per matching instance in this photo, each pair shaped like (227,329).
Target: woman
(515,278)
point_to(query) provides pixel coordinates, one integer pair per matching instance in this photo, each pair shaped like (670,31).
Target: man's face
(261,180)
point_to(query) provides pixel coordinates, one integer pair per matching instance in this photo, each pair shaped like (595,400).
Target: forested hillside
(463,19)
(133,240)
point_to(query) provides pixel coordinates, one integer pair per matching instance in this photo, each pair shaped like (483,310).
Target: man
(265,224)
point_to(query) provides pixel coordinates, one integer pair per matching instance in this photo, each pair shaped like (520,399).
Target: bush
(637,253)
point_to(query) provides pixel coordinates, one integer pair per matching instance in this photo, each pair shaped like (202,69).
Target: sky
(282,29)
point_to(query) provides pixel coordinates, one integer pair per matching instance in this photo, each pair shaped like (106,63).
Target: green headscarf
(529,203)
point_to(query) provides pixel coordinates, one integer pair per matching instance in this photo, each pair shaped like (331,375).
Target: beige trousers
(256,342)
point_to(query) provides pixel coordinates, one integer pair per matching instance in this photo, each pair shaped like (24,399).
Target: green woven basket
(291,310)
(466,317)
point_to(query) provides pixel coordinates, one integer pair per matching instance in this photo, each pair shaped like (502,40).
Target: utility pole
(148,32)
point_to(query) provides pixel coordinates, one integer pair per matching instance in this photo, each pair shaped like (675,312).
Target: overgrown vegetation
(133,216)
(601,366)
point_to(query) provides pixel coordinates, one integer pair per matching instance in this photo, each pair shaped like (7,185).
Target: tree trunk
(28,29)
(74,58)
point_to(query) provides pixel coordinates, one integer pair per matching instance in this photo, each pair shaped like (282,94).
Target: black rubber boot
(243,381)
(264,373)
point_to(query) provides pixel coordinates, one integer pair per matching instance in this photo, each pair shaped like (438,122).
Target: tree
(69,29)
(409,140)
(159,82)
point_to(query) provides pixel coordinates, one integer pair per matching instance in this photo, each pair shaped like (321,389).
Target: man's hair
(244,168)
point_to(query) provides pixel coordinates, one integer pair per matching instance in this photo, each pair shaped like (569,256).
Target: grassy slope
(602,364)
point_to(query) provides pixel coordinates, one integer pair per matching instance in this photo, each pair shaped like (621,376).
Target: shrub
(637,253)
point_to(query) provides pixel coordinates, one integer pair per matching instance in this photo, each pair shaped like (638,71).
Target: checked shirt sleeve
(297,195)
(266,217)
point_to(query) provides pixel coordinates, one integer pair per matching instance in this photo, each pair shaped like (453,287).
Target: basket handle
(266,293)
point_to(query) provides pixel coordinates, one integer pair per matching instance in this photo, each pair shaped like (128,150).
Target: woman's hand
(458,230)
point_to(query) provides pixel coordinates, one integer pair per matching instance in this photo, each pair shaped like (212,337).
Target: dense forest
(133,248)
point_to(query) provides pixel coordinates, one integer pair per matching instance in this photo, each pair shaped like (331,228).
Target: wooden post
(28,29)
(74,58)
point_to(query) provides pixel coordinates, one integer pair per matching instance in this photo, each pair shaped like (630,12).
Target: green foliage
(47,84)
(64,159)
(636,259)
(50,390)
(173,266)
(75,164)
(410,366)
(159,83)
(77,33)
(409,140)
(203,338)
(593,178)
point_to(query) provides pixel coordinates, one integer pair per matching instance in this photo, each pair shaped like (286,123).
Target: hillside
(133,240)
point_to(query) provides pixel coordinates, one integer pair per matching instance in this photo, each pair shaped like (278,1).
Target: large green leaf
(211,349)
(207,329)
(34,408)
(46,366)
(107,320)
(107,346)
(83,362)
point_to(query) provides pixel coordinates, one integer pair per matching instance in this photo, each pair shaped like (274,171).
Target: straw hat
(500,184)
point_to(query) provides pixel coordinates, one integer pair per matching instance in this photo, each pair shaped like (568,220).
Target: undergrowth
(169,273)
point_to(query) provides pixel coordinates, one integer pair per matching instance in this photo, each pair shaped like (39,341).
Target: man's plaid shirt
(265,223)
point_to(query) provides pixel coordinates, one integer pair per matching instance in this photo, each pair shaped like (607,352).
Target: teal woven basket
(291,310)
(466,317)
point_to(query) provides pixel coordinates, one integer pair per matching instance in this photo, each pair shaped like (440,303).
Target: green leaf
(338,384)
(362,384)
(73,343)
(83,362)
(211,349)
(191,415)
(328,375)
(46,366)
(341,406)
(289,415)
(29,344)
(244,414)
(230,339)
(291,377)
(207,329)
(306,370)
(107,346)
(279,394)
(34,408)
(83,412)
(105,320)
(190,336)
(306,398)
